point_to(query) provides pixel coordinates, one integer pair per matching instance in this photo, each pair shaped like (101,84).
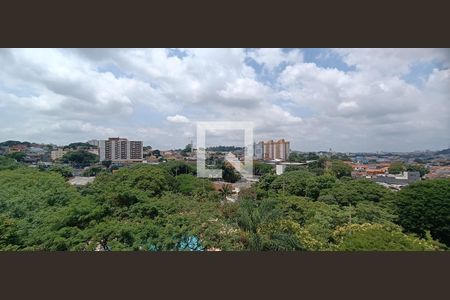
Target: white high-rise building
(120,150)
(258,150)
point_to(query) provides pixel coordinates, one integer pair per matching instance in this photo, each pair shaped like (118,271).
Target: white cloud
(379,61)
(64,95)
(273,57)
(244,92)
(178,119)
(350,105)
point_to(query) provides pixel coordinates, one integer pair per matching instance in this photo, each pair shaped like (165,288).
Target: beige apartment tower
(58,154)
(276,150)
(120,150)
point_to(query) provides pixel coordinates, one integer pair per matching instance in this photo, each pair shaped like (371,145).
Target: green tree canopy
(396,167)
(417,168)
(177,167)
(106,163)
(261,168)
(318,166)
(29,203)
(292,183)
(7,163)
(189,184)
(80,158)
(13,143)
(65,171)
(354,191)
(152,180)
(229,174)
(94,171)
(18,156)
(80,145)
(316,184)
(377,237)
(297,157)
(167,208)
(186,150)
(340,169)
(425,205)
(286,235)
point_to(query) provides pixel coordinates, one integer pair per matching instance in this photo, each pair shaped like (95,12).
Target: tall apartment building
(120,150)
(271,150)
(258,150)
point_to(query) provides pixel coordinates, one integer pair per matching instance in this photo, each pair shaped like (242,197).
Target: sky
(349,100)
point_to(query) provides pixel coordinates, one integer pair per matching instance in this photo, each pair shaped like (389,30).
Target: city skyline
(209,145)
(350,100)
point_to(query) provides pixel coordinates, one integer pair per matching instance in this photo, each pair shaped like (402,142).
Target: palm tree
(252,215)
(226,190)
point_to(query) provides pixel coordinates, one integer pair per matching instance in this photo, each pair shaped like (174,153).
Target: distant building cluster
(396,182)
(438,172)
(121,150)
(365,169)
(272,150)
(379,173)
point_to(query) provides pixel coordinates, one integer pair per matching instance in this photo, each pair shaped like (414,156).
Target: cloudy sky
(344,99)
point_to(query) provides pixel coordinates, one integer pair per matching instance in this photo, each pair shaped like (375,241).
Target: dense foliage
(260,168)
(417,168)
(292,183)
(297,157)
(14,143)
(18,156)
(397,167)
(340,169)
(353,191)
(379,237)
(425,206)
(229,174)
(80,145)
(65,171)
(80,158)
(224,148)
(167,208)
(7,163)
(94,171)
